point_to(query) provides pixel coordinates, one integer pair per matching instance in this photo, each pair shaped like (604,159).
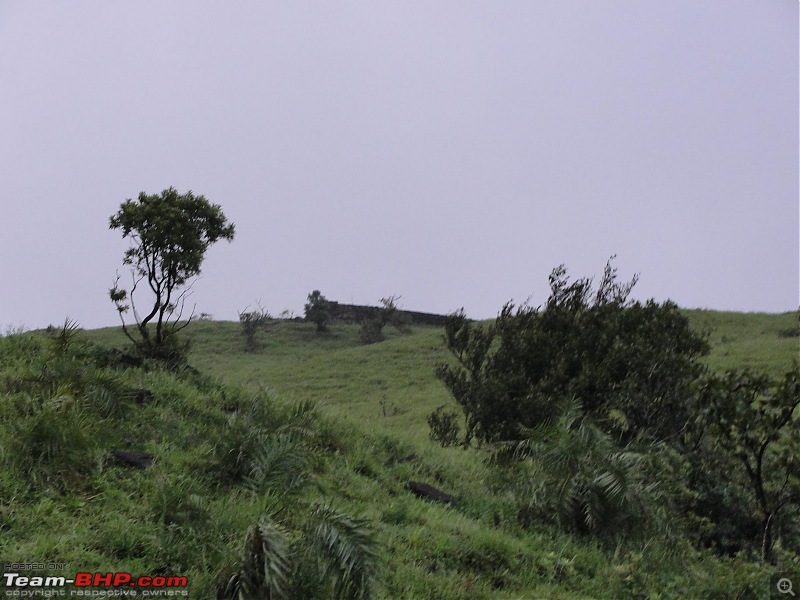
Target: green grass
(769,342)
(391,387)
(374,401)
(388,387)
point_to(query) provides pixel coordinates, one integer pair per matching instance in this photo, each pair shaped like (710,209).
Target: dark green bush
(318,310)
(390,313)
(253,322)
(444,428)
(371,331)
(748,424)
(629,364)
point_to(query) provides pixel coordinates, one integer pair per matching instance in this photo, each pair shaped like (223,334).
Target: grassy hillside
(769,342)
(391,387)
(189,513)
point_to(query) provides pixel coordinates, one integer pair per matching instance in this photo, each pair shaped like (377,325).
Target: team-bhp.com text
(26,586)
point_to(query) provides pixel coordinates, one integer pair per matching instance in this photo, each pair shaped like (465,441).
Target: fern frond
(346,551)
(265,565)
(279,464)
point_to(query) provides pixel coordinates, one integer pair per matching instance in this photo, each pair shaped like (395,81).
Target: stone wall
(353,313)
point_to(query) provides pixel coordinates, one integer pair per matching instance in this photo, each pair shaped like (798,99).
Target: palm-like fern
(278,465)
(581,476)
(332,557)
(265,566)
(343,549)
(297,550)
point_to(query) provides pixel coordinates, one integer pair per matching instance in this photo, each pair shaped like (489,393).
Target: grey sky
(451,152)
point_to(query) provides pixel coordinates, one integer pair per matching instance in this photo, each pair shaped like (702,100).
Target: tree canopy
(171,233)
(748,428)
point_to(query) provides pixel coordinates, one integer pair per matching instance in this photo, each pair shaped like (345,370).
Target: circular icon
(785,586)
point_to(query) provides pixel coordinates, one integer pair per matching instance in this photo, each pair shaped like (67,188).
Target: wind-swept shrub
(390,313)
(371,331)
(629,364)
(252,322)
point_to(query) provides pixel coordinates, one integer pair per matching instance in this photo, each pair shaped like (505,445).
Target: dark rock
(333,448)
(140,395)
(428,492)
(408,458)
(115,358)
(131,458)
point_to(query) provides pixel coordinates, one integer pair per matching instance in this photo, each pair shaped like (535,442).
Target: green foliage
(171,233)
(264,570)
(751,423)
(318,310)
(65,336)
(52,415)
(371,331)
(331,556)
(343,551)
(580,477)
(54,441)
(629,364)
(429,549)
(263,446)
(719,511)
(178,501)
(252,323)
(390,313)
(444,428)
(279,465)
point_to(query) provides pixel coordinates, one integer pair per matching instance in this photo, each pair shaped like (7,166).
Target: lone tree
(171,233)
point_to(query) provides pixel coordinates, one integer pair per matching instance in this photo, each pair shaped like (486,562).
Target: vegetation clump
(629,364)
(371,331)
(253,322)
(318,310)
(444,428)
(748,427)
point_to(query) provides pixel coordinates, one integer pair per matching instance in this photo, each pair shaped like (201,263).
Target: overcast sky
(449,152)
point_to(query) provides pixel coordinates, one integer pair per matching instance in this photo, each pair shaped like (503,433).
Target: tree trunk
(766,540)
